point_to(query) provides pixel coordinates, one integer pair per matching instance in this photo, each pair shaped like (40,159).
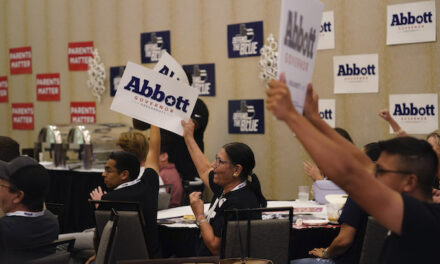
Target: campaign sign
(245,39)
(327,111)
(116,73)
(415,113)
(20,60)
(82,112)
(246,116)
(327,32)
(411,23)
(168,66)
(152,45)
(203,77)
(79,54)
(356,73)
(23,116)
(4,89)
(48,87)
(154,98)
(299,32)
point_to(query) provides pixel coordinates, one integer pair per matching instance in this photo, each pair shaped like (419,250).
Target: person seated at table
(24,185)
(169,175)
(346,247)
(408,164)
(120,177)
(228,178)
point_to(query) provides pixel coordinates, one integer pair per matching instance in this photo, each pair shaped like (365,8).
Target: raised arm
(385,114)
(153,149)
(201,162)
(338,164)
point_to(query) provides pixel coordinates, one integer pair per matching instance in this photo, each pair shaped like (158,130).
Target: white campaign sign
(299,32)
(415,113)
(411,23)
(327,111)
(356,73)
(154,98)
(168,66)
(327,33)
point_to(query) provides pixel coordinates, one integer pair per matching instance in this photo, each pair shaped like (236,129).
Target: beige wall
(198,35)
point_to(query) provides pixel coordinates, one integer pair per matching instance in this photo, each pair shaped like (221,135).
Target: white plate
(315,222)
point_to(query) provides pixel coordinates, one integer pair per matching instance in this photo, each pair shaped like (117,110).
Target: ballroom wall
(198,35)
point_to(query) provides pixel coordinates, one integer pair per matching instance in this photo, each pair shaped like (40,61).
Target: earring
(235,175)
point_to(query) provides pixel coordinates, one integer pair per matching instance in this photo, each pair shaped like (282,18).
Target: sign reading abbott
(154,98)
(356,73)
(415,113)
(327,32)
(299,32)
(327,111)
(411,23)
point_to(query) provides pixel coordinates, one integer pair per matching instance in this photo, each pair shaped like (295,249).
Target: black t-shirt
(242,198)
(146,193)
(419,241)
(355,217)
(19,233)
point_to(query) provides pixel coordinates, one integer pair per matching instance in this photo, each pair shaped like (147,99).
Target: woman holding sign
(227,177)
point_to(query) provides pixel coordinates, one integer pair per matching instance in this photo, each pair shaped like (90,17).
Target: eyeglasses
(218,161)
(109,170)
(378,171)
(11,187)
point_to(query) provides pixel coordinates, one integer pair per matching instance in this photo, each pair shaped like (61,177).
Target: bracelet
(204,220)
(324,253)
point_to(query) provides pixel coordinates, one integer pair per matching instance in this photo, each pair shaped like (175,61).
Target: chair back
(130,239)
(266,239)
(206,260)
(60,256)
(108,238)
(374,239)
(164,197)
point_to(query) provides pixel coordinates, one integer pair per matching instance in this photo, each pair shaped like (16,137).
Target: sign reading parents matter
(299,32)
(154,98)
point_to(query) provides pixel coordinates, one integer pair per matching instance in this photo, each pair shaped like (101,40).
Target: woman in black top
(227,177)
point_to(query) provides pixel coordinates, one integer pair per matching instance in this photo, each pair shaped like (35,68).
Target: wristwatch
(198,223)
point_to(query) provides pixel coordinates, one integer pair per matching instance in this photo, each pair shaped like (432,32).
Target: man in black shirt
(120,177)
(396,191)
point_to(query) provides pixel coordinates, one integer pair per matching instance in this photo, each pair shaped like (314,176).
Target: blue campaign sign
(245,39)
(116,73)
(203,77)
(246,116)
(152,44)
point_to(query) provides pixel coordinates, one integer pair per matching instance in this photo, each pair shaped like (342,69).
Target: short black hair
(9,149)
(372,150)
(416,156)
(344,133)
(126,161)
